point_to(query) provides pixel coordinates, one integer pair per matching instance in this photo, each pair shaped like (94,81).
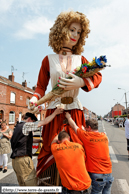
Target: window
(12,98)
(1,114)
(11,117)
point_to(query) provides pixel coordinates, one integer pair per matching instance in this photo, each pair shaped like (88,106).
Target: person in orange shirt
(98,161)
(70,161)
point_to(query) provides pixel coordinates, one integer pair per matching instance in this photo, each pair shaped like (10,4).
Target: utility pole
(126,103)
(125,100)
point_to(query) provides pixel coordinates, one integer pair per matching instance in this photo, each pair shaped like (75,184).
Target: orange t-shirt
(97,151)
(70,161)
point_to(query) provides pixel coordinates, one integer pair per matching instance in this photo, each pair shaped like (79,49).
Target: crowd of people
(82,169)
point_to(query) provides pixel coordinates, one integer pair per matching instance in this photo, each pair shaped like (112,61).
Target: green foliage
(123,116)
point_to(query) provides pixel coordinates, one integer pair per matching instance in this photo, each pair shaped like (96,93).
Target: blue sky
(24,31)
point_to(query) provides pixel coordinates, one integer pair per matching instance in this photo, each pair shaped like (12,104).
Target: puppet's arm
(42,82)
(87,84)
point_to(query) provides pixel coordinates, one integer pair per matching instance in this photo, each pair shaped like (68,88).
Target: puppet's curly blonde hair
(60,31)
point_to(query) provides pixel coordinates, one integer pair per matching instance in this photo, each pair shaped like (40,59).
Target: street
(118,154)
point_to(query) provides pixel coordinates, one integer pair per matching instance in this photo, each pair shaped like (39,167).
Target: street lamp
(117,108)
(125,98)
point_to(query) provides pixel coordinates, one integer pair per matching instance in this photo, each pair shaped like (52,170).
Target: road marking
(112,155)
(103,127)
(10,170)
(105,131)
(122,185)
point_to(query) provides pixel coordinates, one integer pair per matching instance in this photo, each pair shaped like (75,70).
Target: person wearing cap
(98,162)
(21,143)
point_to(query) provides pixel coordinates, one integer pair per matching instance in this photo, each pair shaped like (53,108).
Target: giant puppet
(66,38)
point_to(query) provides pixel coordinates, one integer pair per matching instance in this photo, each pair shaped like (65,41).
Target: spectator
(127,133)
(70,161)
(5,148)
(21,144)
(98,161)
(124,122)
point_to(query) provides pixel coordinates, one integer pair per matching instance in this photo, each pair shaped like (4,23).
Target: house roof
(6,81)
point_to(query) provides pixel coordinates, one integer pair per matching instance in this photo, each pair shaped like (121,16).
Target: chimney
(24,84)
(11,77)
(33,88)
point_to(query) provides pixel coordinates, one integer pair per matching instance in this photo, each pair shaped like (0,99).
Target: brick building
(13,100)
(117,110)
(88,114)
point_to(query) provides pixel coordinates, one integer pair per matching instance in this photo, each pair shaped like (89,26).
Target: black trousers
(66,191)
(128,144)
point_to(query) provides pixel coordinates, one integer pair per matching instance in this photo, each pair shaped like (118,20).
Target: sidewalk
(122,128)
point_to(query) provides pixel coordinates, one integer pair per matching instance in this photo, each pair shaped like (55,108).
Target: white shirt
(127,129)
(30,126)
(56,72)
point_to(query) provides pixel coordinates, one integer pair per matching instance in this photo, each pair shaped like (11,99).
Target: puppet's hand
(71,84)
(31,103)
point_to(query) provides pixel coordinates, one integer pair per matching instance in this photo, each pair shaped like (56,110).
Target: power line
(121,98)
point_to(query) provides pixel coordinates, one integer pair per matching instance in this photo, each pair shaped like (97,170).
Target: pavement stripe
(123,186)
(112,155)
(10,170)
(105,131)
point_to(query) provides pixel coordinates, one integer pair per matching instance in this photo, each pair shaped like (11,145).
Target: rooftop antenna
(24,74)
(12,69)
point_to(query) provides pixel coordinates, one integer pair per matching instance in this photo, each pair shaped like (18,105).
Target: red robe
(45,157)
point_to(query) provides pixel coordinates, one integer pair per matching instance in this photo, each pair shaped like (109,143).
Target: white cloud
(109,32)
(23,5)
(5,5)
(110,22)
(39,25)
(14,12)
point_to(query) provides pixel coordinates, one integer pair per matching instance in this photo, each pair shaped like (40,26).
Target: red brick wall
(3,93)
(116,113)
(20,103)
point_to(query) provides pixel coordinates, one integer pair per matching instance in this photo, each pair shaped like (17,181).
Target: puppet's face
(75,32)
